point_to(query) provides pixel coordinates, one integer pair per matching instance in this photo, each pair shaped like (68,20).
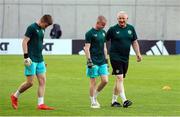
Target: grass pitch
(67,88)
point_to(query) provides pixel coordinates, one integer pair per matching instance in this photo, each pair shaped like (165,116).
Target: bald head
(122,18)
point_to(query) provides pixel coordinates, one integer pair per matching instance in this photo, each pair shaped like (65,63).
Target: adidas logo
(158,49)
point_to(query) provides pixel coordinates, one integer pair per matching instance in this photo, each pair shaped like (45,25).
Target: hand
(90,63)
(139,58)
(27,61)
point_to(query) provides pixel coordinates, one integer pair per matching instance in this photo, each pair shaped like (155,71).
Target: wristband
(26,55)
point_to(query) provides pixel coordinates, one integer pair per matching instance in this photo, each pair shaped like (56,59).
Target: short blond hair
(101,18)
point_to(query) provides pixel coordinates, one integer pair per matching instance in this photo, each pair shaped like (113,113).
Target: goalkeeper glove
(27,60)
(90,63)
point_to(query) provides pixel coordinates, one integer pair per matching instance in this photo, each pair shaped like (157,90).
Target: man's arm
(106,54)
(24,44)
(86,50)
(135,46)
(27,60)
(88,56)
(105,51)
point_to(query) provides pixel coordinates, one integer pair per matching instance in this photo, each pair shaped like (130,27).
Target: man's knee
(42,82)
(120,78)
(104,80)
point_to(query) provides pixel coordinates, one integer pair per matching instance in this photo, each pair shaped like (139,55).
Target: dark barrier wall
(147,47)
(69,47)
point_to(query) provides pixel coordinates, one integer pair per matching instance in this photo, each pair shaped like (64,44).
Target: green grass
(67,88)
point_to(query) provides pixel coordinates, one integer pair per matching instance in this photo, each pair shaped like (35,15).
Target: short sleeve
(109,34)
(134,34)
(29,32)
(88,37)
(104,33)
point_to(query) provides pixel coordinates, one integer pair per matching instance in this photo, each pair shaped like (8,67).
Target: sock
(123,97)
(122,93)
(92,100)
(114,98)
(17,93)
(40,100)
(96,94)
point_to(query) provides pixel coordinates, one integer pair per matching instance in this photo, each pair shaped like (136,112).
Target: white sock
(92,100)
(40,100)
(114,98)
(123,97)
(96,94)
(17,93)
(122,93)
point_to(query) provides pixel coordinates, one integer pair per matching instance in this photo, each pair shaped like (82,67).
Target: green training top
(35,44)
(121,40)
(97,39)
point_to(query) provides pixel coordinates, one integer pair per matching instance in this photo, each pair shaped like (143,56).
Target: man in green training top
(33,60)
(122,36)
(96,54)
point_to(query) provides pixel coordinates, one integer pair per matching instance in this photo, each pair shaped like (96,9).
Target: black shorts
(119,67)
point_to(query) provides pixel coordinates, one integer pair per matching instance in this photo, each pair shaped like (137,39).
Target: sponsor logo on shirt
(38,31)
(117,32)
(95,35)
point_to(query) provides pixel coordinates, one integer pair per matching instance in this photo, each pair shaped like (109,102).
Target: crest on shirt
(117,32)
(103,34)
(129,32)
